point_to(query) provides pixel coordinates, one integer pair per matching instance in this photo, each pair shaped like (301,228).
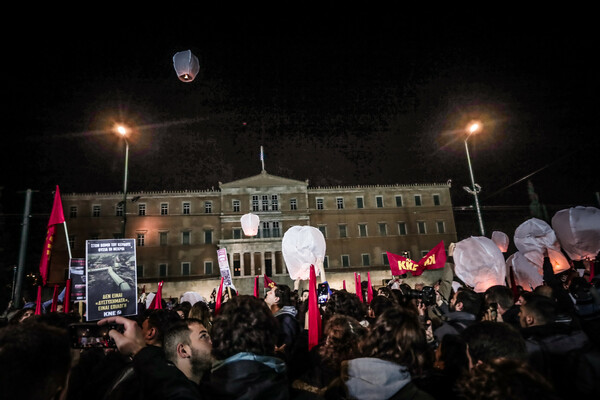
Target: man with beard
(188,347)
(464,309)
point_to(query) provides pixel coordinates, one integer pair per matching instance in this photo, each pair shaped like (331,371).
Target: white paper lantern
(479,263)
(501,240)
(192,297)
(250,224)
(526,274)
(302,246)
(535,235)
(186,65)
(578,231)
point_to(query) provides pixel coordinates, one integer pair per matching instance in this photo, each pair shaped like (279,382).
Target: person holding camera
(464,309)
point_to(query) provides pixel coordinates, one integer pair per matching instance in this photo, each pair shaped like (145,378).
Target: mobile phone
(493,307)
(322,293)
(92,335)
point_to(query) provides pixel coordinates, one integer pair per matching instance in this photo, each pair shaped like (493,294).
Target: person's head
(183,309)
(304,295)
(487,340)
(537,310)
(451,355)
(501,295)
(155,323)
(467,300)
(244,324)
(378,305)
(384,291)
(201,311)
(342,302)
(342,335)
(397,336)
(544,290)
(36,359)
(188,346)
(21,315)
(503,379)
(278,296)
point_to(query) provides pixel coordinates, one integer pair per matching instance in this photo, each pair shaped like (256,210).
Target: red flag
(314,317)
(157,300)
(369,289)
(54,299)
(344,284)
(358,286)
(67,299)
(435,259)
(38,302)
(269,283)
(256,286)
(56,217)
(592,271)
(218,299)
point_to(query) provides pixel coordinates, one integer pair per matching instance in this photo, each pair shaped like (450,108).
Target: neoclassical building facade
(178,233)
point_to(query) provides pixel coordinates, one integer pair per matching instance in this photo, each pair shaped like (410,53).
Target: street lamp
(472,129)
(121,130)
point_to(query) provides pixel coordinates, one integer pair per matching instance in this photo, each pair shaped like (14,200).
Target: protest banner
(77,273)
(434,259)
(224,268)
(111,279)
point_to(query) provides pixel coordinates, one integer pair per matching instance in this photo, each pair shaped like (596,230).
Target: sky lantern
(526,273)
(578,231)
(303,246)
(250,224)
(501,240)
(479,263)
(186,65)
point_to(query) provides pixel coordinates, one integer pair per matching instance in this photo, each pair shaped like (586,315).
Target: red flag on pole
(358,287)
(157,301)
(56,217)
(256,286)
(67,299)
(54,299)
(314,316)
(38,302)
(436,258)
(218,299)
(269,283)
(344,284)
(369,289)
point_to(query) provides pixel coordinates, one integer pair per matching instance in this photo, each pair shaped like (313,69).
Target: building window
(360,202)
(236,206)
(162,238)
(362,230)
(440,227)
(141,238)
(95,211)
(276,230)
(185,237)
(73,212)
(345,260)
(402,228)
(185,268)
(323,229)
(208,207)
(164,209)
(162,270)
(421,227)
(379,201)
(255,203)
(274,203)
(384,259)
(293,204)
(186,208)
(265,202)
(382,229)
(424,253)
(417,200)
(436,200)
(208,267)
(340,202)
(320,205)
(237,233)
(398,201)
(208,236)
(72,241)
(366,260)
(265,230)
(343,231)
(140,271)
(141,209)
(119,210)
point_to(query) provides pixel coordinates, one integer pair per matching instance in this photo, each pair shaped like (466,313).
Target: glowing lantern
(558,260)
(186,65)
(303,246)
(250,224)
(526,274)
(479,263)
(535,235)
(578,231)
(501,240)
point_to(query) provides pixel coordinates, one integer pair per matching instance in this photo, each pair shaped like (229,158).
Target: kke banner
(224,268)
(111,278)
(436,258)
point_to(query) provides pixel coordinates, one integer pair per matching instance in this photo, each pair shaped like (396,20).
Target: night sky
(334,99)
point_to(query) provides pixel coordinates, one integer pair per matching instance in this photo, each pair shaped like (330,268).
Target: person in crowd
(345,303)
(465,306)
(35,359)
(393,351)
(188,346)
(488,340)
(155,323)
(451,364)
(279,302)
(377,306)
(505,308)
(183,309)
(201,311)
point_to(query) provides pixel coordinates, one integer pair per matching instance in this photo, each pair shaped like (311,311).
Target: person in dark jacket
(279,301)
(464,309)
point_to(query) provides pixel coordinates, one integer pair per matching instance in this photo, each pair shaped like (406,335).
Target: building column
(252,267)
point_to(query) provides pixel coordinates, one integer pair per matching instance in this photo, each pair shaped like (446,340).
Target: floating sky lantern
(578,231)
(250,224)
(501,240)
(186,65)
(303,246)
(479,263)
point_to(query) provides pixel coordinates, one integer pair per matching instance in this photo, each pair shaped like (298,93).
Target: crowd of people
(403,344)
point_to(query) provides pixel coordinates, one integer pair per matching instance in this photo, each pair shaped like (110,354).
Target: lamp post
(123,132)
(472,129)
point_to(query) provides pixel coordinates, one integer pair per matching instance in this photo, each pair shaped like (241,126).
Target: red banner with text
(435,259)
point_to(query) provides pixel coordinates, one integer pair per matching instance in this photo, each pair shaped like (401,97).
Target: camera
(426,295)
(92,335)
(493,307)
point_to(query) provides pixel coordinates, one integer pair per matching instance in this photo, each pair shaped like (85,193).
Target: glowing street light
(122,130)
(472,129)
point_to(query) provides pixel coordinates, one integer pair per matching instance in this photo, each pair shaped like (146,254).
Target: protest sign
(77,274)
(434,259)
(224,268)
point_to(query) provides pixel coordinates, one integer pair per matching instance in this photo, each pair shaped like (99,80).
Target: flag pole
(68,244)
(262,158)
